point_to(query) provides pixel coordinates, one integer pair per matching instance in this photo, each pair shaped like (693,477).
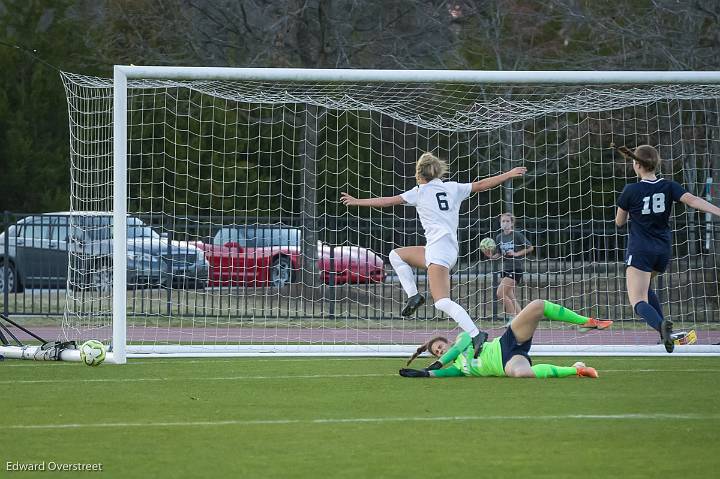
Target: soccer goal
(218,192)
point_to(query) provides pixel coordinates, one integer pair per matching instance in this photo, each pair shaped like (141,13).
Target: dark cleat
(478,342)
(413,303)
(666,335)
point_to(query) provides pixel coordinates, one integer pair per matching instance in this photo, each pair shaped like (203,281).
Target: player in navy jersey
(649,203)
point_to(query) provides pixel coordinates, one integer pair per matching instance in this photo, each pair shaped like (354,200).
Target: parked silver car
(38,247)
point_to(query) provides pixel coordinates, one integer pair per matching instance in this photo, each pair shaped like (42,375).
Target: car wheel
(13,283)
(281,271)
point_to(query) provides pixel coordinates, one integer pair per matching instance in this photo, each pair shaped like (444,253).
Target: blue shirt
(649,203)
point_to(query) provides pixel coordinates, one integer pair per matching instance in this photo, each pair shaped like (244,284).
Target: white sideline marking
(370,420)
(133,362)
(265,360)
(659,370)
(201,378)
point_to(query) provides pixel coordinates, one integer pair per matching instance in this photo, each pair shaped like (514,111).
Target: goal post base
(37,353)
(40,353)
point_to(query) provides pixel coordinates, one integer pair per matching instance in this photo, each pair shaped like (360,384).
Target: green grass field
(356,418)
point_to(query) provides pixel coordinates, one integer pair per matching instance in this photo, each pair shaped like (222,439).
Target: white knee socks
(456,312)
(405,273)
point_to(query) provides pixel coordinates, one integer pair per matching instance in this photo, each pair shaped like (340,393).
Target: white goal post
(198,153)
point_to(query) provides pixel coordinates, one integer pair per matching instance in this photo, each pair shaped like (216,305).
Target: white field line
(135,362)
(186,379)
(367,420)
(290,377)
(659,370)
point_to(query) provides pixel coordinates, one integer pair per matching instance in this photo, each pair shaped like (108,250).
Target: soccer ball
(488,246)
(92,352)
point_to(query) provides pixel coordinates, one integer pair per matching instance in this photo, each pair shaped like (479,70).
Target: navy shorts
(510,347)
(647,262)
(515,275)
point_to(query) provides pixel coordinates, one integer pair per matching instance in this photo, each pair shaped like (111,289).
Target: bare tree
(291,33)
(405,34)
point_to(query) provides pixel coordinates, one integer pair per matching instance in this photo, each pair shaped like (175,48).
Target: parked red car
(271,255)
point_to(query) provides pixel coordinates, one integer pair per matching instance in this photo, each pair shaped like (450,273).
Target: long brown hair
(426,347)
(646,156)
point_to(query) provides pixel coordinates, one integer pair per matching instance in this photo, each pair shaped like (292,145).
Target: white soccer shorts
(443,252)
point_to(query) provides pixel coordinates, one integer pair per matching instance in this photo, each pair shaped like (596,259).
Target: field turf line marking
(200,378)
(138,362)
(659,370)
(367,420)
(134,362)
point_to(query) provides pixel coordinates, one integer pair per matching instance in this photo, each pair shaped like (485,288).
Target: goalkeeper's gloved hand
(414,373)
(435,365)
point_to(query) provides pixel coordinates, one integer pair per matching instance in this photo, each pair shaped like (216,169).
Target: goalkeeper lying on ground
(507,355)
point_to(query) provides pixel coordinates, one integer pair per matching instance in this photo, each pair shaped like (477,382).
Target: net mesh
(237,238)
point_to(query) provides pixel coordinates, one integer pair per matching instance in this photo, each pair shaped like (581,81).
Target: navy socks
(649,314)
(655,303)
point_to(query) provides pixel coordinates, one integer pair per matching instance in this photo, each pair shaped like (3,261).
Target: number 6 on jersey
(442,201)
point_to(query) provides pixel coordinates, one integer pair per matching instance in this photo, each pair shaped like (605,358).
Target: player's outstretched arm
(449,372)
(435,370)
(380,202)
(699,204)
(462,342)
(493,181)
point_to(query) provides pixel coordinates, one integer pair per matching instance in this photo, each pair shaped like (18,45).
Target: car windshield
(99,228)
(275,237)
(258,237)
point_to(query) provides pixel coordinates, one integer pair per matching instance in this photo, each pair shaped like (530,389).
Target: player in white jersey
(438,206)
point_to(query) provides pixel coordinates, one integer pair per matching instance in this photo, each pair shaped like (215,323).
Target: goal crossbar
(418,76)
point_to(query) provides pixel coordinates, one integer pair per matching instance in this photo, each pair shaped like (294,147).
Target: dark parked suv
(38,246)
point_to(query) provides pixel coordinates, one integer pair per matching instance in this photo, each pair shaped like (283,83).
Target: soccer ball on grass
(92,352)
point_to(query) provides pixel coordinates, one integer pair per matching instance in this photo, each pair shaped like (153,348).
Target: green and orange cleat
(585,371)
(684,337)
(593,323)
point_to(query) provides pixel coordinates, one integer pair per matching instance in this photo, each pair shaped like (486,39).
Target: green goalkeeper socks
(544,371)
(555,312)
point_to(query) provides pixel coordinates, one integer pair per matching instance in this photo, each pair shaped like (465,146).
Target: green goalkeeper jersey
(489,363)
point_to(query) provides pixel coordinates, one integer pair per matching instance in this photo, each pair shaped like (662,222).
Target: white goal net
(235,240)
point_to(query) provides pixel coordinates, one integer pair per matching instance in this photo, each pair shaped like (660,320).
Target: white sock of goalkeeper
(405,274)
(458,313)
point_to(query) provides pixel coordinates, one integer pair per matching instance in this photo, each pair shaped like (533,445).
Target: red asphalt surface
(270,335)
